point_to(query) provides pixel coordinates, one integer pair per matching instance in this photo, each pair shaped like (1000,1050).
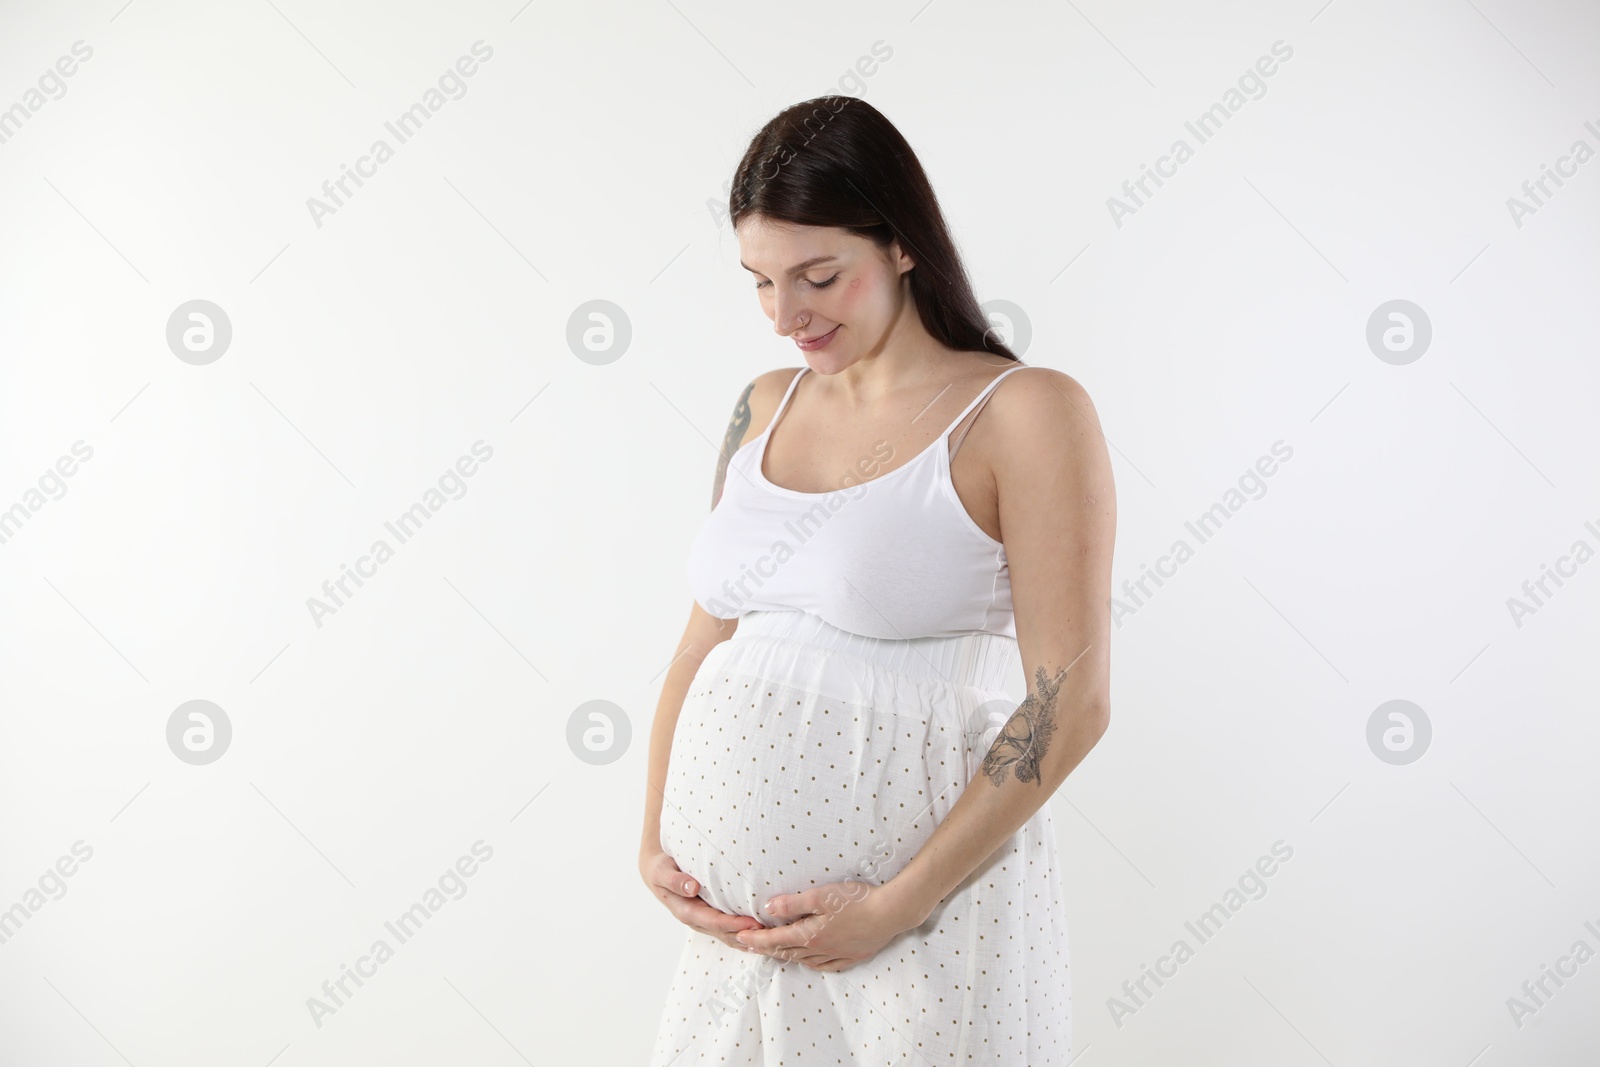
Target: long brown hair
(837,161)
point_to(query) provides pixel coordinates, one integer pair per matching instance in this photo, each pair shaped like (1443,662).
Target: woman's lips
(812,346)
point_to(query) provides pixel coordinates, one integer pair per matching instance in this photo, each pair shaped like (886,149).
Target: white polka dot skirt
(805,755)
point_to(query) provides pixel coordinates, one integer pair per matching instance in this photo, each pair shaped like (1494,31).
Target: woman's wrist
(904,902)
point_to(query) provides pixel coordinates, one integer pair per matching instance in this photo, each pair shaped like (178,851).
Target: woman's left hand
(830,927)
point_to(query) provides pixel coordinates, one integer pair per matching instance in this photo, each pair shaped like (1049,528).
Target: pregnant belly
(773,788)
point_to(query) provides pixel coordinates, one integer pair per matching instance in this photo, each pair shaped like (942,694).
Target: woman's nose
(786,316)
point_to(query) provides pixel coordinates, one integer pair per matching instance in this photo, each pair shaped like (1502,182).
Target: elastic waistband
(984,660)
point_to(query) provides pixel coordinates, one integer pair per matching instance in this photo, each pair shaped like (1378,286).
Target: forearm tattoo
(1025,736)
(730,442)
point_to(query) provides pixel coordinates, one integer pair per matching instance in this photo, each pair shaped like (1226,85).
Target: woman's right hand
(679,892)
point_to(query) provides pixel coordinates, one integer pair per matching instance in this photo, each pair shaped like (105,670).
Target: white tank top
(895,556)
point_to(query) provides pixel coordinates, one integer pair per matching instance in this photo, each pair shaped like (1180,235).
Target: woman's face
(845,285)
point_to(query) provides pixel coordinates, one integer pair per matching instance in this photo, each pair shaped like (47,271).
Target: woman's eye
(814,285)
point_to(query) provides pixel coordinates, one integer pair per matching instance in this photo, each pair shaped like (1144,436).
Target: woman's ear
(899,257)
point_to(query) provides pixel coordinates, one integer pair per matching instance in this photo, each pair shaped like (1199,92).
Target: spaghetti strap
(977,405)
(784,403)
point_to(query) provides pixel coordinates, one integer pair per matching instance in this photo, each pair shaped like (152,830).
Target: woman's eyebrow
(797,268)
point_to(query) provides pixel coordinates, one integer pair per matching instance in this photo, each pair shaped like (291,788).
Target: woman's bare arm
(751,412)
(703,632)
(1058,513)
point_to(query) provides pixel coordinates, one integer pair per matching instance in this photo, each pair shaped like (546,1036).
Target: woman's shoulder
(1039,408)
(757,404)
(1037,389)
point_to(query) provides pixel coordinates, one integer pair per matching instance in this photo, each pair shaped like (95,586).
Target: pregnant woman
(845,807)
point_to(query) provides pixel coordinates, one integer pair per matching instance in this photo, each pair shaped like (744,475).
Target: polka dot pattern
(805,755)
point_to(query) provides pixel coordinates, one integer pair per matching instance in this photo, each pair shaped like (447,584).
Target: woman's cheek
(851,301)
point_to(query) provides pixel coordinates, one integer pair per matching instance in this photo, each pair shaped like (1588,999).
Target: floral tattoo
(1026,735)
(730,442)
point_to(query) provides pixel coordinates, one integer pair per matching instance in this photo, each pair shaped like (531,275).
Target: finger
(810,902)
(731,939)
(779,937)
(786,907)
(789,943)
(690,909)
(796,935)
(671,878)
(704,917)
(790,906)
(725,923)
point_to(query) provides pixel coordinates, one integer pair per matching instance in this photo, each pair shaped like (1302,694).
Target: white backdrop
(1352,278)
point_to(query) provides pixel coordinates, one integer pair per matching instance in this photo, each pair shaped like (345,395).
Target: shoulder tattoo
(730,441)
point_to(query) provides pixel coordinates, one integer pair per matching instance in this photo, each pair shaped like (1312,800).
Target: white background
(586,161)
